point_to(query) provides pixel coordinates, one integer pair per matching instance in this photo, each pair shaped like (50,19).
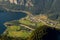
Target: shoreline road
(51,23)
(27,27)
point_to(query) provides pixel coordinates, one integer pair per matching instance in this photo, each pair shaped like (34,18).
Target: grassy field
(16,31)
(22,34)
(27,22)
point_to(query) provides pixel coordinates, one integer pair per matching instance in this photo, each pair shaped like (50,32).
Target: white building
(13,1)
(21,2)
(28,3)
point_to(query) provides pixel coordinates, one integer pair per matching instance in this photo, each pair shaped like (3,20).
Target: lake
(9,16)
(52,34)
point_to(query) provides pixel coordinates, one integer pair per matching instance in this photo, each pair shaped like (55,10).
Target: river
(9,16)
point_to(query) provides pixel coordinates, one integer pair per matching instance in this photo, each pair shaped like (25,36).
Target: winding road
(27,27)
(46,22)
(50,23)
(13,10)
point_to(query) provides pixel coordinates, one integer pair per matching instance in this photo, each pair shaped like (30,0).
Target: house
(28,3)
(13,1)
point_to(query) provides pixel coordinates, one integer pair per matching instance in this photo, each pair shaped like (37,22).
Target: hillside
(48,7)
(25,28)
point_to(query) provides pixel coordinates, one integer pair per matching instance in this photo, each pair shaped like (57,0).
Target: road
(27,26)
(50,23)
(13,10)
(46,22)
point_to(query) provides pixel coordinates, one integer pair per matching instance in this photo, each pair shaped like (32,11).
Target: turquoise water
(9,16)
